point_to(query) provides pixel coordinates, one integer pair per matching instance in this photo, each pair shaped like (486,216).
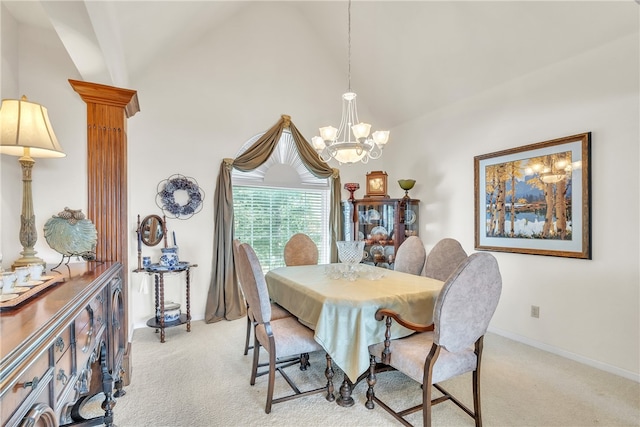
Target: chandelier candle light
(350,142)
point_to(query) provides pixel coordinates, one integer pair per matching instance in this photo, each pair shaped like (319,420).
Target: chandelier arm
(322,156)
(354,113)
(375,152)
(343,129)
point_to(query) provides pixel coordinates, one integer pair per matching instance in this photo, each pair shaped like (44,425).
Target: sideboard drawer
(61,344)
(62,374)
(27,382)
(87,326)
(93,311)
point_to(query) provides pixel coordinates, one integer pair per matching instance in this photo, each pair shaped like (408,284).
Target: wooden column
(108,108)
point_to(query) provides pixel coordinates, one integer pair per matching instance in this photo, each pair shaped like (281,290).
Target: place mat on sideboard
(33,291)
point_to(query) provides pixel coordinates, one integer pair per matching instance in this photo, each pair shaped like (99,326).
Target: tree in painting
(532,196)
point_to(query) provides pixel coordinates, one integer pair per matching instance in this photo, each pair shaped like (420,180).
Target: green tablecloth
(342,312)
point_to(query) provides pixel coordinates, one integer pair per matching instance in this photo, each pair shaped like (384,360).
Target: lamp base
(26,260)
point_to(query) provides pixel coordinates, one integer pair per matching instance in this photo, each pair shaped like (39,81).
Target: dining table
(342,312)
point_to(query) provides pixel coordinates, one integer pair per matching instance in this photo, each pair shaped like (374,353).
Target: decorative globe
(406,184)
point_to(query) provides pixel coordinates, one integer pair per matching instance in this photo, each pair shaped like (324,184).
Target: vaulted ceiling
(451,49)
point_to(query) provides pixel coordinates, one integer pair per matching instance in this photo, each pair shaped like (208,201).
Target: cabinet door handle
(59,344)
(85,348)
(62,377)
(33,383)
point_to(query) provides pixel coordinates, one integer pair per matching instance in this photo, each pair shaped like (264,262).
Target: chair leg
(426,384)
(371,381)
(329,374)
(476,383)
(426,405)
(246,343)
(272,376)
(304,361)
(476,398)
(256,357)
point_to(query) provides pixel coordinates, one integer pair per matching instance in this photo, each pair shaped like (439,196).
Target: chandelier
(350,142)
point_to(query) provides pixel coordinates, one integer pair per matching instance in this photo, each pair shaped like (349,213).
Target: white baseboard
(572,356)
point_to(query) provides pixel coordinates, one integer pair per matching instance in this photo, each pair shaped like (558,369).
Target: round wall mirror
(152,230)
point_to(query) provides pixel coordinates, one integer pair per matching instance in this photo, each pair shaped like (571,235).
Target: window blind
(266,218)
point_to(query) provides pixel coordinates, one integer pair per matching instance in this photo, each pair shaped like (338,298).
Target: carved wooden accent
(107,110)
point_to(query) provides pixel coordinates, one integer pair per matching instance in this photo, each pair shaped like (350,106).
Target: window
(277,200)
(267,217)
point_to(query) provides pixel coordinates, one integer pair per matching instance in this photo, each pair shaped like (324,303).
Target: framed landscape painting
(535,199)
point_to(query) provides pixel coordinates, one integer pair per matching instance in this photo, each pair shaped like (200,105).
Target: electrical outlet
(535,311)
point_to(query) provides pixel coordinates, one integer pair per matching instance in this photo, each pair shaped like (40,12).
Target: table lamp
(25,131)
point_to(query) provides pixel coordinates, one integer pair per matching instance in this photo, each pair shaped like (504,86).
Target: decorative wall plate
(173,186)
(71,234)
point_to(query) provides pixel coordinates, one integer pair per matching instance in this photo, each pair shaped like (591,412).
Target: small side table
(158,320)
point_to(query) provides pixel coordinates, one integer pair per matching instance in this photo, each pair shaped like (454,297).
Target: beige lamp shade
(25,124)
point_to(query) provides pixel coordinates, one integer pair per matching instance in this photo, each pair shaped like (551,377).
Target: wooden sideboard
(62,346)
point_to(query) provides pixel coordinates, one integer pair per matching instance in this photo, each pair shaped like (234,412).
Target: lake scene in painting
(530,198)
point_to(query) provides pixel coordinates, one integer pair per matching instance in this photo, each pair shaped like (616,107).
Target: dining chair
(300,250)
(410,257)
(444,258)
(450,347)
(282,337)
(277,311)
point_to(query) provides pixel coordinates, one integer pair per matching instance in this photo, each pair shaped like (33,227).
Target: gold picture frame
(515,187)
(376,184)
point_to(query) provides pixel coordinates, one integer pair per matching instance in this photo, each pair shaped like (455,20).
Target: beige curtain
(225,300)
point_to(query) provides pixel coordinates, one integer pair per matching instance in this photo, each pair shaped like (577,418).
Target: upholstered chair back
(300,250)
(254,284)
(236,251)
(444,258)
(467,302)
(410,257)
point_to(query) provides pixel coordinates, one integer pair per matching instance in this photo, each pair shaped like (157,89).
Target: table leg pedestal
(329,374)
(371,381)
(345,398)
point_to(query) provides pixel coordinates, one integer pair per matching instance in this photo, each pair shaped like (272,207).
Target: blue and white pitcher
(169,258)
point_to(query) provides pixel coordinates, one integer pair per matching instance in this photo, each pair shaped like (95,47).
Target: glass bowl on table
(350,253)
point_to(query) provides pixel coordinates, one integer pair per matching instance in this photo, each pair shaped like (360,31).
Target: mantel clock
(377,184)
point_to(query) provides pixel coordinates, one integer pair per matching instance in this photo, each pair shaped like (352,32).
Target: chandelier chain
(349,43)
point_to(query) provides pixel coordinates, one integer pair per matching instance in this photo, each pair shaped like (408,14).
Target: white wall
(39,68)
(201,106)
(204,104)
(588,308)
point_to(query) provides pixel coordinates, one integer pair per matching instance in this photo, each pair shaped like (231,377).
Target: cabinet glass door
(383,226)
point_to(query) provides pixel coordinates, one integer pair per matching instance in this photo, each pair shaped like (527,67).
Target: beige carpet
(201,378)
